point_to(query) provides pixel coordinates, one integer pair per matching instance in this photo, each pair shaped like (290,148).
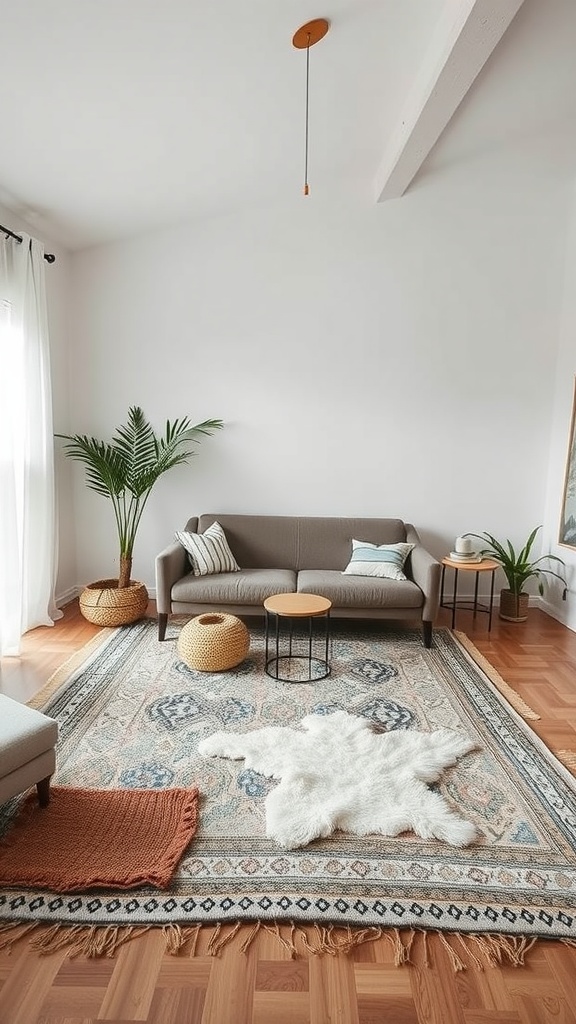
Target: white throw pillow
(384,560)
(209,551)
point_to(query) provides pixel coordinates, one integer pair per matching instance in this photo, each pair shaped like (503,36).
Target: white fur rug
(339,774)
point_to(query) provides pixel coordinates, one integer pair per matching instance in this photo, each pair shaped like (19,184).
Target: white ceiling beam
(466,35)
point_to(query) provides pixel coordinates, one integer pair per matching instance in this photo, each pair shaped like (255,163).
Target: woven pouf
(213,642)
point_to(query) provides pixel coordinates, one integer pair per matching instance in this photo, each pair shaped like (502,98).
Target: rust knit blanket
(85,838)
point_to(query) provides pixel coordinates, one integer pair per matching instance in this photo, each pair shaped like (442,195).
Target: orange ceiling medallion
(310,33)
(305,37)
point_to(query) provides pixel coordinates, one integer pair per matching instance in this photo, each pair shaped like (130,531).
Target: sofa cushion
(248,586)
(325,542)
(359,591)
(383,560)
(209,551)
(259,542)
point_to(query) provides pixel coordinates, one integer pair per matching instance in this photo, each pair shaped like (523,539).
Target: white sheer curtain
(27,517)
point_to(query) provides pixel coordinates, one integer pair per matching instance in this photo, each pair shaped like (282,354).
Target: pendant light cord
(305,37)
(306,189)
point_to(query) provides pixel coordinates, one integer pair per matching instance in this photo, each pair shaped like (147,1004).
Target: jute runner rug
(132,714)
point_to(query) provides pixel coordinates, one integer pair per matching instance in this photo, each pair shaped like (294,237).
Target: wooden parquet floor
(264,985)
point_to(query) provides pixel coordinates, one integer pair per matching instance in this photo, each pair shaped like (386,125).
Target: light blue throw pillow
(384,560)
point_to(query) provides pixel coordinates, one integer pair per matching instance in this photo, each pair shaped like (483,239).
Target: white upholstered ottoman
(27,750)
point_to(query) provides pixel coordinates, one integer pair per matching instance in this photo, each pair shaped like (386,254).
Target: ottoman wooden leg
(43,788)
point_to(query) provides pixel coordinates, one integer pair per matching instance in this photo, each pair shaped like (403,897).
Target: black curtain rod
(48,256)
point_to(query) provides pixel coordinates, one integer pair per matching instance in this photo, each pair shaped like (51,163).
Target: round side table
(292,607)
(486,565)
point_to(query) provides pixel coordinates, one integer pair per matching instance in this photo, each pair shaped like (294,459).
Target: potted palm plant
(518,568)
(125,470)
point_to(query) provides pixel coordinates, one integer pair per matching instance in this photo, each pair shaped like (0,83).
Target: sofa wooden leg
(43,789)
(427,633)
(162,623)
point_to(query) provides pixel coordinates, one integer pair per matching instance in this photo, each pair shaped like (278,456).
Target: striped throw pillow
(209,551)
(384,560)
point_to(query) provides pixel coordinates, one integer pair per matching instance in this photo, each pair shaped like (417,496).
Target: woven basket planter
(513,607)
(213,642)
(105,605)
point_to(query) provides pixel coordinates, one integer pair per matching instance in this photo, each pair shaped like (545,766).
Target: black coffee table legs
(313,643)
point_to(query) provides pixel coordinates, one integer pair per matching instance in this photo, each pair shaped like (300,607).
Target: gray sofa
(283,554)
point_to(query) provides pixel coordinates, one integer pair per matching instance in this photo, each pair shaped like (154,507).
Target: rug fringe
(11,933)
(409,946)
(424,934)
(250,937)
(568,758)
(175,937)
(476,963)
(288,944)
(345,943)
(304,937)
(192,935)
(456,961)
(505,689)
(216,945)
(86,940)
(401,952)
(63,672)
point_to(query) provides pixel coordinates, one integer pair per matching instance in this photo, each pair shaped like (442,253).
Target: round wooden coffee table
(290,608)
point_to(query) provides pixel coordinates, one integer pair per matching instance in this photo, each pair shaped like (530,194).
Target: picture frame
(567,533)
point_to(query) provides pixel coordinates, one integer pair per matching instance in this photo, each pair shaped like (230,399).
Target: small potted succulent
(124,470)
(518,568)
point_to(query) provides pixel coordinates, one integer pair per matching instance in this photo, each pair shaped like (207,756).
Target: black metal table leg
(491,600)
(289,644)
(476,604)
(277,645)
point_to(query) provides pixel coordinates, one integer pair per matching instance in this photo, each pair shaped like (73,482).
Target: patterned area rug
(132,716)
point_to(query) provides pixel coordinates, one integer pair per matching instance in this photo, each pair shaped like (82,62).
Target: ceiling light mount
(310,33)
(305,37)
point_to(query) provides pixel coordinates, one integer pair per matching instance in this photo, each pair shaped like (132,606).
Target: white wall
(394,360)
(58,302)
(565,378)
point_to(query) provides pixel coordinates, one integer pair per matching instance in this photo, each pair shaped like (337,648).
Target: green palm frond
(126,468)
(134,441)
(104,466)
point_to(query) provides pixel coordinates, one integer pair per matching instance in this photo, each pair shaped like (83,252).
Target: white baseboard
(68,595)
(559,612)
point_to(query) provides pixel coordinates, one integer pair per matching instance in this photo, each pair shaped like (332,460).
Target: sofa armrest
(171,565)
(425,571)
